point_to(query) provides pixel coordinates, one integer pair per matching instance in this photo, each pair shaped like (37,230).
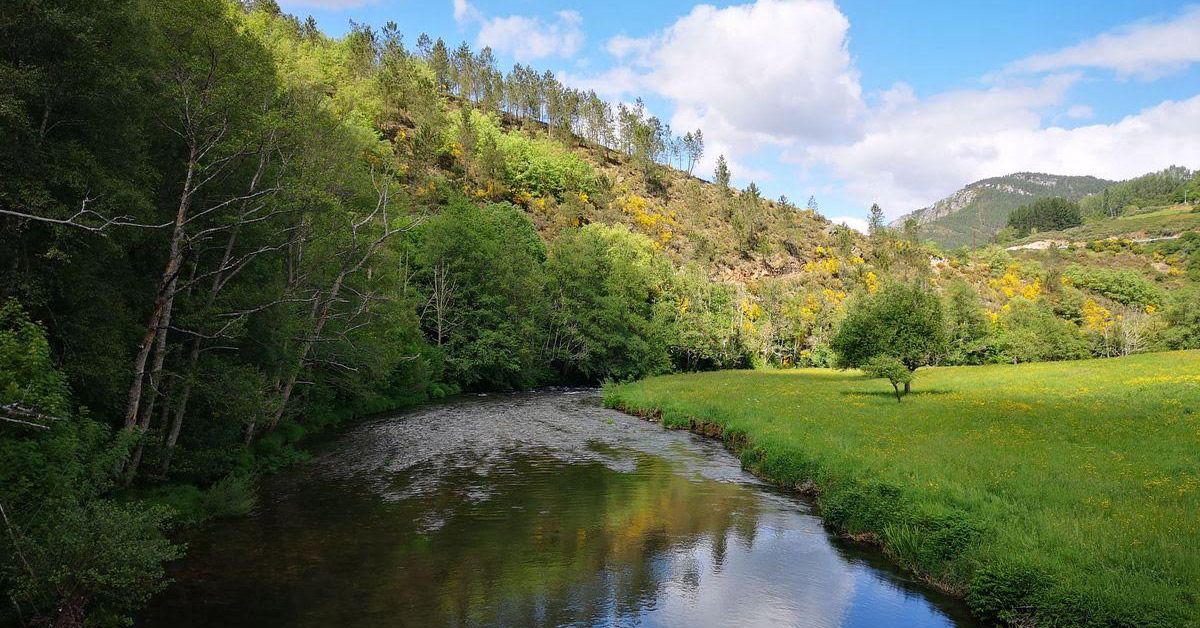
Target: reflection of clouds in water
(782,579)
(779,569)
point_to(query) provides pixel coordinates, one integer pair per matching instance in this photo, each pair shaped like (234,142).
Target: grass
(1058,493)
(1154,223)
(234,495)
(1173,210)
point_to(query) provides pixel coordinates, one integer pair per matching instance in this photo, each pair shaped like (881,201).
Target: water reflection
(532,510)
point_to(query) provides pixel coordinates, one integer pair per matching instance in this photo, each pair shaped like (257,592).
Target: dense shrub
(1120,285)
(534,166)
(605,285)
(1183,321)
(67,550)
(1028,331)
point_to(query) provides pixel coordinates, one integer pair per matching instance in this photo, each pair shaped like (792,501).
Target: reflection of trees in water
(583,543)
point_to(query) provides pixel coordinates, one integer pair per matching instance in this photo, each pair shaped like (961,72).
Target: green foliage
(27,374)
(1028,331)
(1045,214)
(544,168)
(66,550)
(481,271)
(891,369)
(967,327)
(604,286)
(1183,321)
(702,313)
(1120,285)
(538,166)
(904,321)
(955,487)
(1156,188)
(234,495)
(1186,247)
(100,558)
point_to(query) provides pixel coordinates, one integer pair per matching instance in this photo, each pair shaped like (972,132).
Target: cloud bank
(522,37)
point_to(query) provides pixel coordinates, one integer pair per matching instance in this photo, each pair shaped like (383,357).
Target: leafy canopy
(902,320)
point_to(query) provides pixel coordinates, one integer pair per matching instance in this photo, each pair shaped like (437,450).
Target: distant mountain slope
(975,213)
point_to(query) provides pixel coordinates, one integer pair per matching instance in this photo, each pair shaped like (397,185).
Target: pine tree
(875,222)
(721,175)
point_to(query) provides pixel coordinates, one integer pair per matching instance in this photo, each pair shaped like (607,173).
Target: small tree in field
(901,320)
(891,369)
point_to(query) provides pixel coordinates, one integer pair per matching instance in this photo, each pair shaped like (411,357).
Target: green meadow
(1062,493)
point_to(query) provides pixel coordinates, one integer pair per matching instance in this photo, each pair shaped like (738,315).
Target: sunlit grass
(1069,491)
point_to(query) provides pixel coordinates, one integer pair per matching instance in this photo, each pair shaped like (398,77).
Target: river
(531,509)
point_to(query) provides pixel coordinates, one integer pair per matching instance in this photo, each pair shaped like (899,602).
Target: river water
(532,509)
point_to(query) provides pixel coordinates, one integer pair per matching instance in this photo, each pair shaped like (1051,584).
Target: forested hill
(221,229)
(973,215)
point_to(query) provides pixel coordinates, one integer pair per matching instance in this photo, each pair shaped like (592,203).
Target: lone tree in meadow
(891,369)
(903,321)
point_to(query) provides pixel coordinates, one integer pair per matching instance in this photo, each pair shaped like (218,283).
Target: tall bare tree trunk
(165,298)
(320,315)
(219,279)
(147,407)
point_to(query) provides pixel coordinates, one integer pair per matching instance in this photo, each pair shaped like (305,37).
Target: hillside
(972,215)
(1142,225)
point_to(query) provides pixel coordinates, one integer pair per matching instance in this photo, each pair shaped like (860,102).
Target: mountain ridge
(975,212)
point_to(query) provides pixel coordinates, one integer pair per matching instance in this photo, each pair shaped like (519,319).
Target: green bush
(544,167)
(234,495)
(1123,286)
(80,552)
(541,167)
(1028,331)
(1183,321)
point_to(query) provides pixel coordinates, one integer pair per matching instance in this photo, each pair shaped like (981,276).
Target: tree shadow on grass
(892,394)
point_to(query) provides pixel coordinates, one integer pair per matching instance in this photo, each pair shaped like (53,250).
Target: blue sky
(862,101)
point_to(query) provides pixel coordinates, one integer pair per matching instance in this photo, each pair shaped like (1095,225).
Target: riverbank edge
(739,444)
(988,606)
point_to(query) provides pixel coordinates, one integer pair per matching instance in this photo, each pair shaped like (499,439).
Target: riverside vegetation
(1063,493)
(222,230)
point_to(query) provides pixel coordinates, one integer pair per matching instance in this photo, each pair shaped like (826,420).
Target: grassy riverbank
(1067,492)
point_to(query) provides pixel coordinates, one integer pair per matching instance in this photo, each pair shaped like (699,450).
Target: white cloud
(622,46)
(1080,112)
(325,4)
(525,38)
(855,223)
(922,150)
(778,75)
(770,73)
(530,38)
(465,11)
(1143,49)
